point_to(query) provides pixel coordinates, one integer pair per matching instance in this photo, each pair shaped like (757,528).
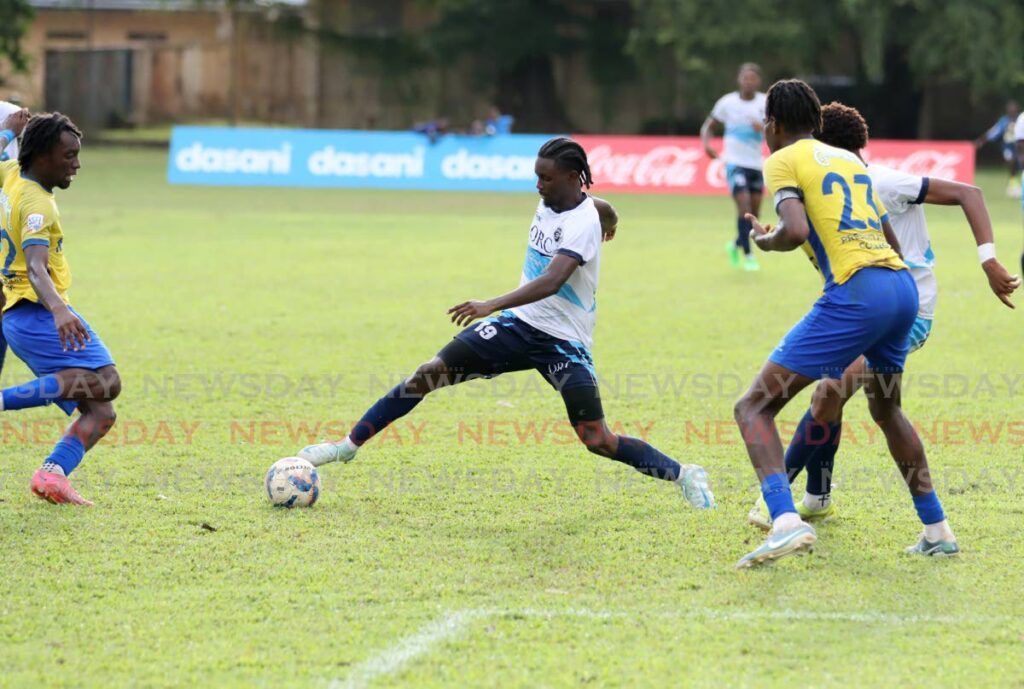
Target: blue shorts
(919,333)
(872,314)
(31,334)
(744,179)
(507,343)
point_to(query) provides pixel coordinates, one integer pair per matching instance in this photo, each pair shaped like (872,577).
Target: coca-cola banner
(678,164)
(406,160)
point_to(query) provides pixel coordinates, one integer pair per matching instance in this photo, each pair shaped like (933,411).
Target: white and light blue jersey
(743,120)
(570,313)
(903,195)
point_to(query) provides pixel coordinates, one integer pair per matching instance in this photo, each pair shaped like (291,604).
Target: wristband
(9,135)
(986,251)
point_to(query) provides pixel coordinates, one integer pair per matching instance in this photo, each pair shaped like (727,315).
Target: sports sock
(67,454)
(817,502)
(775,489)
(51,468)
(929,509)
(939,531)
(823,460)
(394,405)
(743,227)
(646,459)
(799,451)
(35,393)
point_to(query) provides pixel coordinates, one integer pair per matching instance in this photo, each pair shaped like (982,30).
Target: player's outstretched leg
(583,404)
(93,392)
(692,479)
(884,401)
(454,364)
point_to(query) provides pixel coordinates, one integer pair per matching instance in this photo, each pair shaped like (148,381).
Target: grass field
(467,548)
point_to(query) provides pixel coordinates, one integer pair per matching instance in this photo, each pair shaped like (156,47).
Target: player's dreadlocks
(568,155)
(843,127)
(42,134)
(794,105)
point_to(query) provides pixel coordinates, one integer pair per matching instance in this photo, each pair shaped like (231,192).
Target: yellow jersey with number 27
(844,213)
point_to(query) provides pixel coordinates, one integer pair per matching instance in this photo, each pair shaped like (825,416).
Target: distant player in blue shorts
(741,114)
(74,368)
(828,207)
(903,195)
(545,325)
(1002,131)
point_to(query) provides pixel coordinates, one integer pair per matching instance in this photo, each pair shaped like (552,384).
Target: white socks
(786,522)
(51,468)
(347,450)
(817,502)
(939,531)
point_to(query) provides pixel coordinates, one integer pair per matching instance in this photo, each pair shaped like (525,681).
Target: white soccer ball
(293,482)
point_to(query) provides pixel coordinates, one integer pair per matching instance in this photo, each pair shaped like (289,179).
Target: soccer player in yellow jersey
(74,368)
(828,207)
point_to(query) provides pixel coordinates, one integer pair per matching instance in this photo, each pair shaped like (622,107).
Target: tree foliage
(16,14)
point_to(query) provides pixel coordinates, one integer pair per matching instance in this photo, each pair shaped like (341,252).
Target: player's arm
(945,192)
(69,328)
(993,133)
(890,236)
(792,230)
(609,218)
(706,134)
(541,287)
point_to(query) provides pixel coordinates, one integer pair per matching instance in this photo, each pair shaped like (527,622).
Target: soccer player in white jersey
(741,113)
(1018,134)
(10,152)
(545,325)
(817,437)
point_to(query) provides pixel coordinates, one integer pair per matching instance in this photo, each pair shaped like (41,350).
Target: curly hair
(42,134)
(794,105)
(843,127)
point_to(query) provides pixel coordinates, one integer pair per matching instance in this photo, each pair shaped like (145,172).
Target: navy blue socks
(394,405)
(646,459)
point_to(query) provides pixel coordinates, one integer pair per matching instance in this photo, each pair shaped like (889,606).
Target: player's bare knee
(428,377)
(109,387)
(826,408)
(602,444)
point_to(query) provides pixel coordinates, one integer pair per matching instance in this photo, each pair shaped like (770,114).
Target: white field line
(452,624)
(392,659)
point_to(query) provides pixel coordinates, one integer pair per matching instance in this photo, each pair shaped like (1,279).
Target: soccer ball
(293,482)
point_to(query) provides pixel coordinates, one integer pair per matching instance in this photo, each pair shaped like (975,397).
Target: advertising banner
(407,160)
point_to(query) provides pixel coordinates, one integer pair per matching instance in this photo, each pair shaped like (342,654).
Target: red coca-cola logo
(660,166)
(924,163)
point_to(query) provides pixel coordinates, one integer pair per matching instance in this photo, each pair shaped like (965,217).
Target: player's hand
(760,234)
(1001,282)
(16,121)
(608,233)
(712,153)
(70,329)
(468,311)
(758,125)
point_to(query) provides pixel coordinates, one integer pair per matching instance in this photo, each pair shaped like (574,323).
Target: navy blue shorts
(744,179)
(31,334)
(506,343)
(872,314)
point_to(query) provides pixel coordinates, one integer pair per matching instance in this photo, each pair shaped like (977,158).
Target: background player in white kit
(546,325)
(741,113)
(1018,134)
(817,437)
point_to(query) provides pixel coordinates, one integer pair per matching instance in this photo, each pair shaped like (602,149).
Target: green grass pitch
(469,547)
